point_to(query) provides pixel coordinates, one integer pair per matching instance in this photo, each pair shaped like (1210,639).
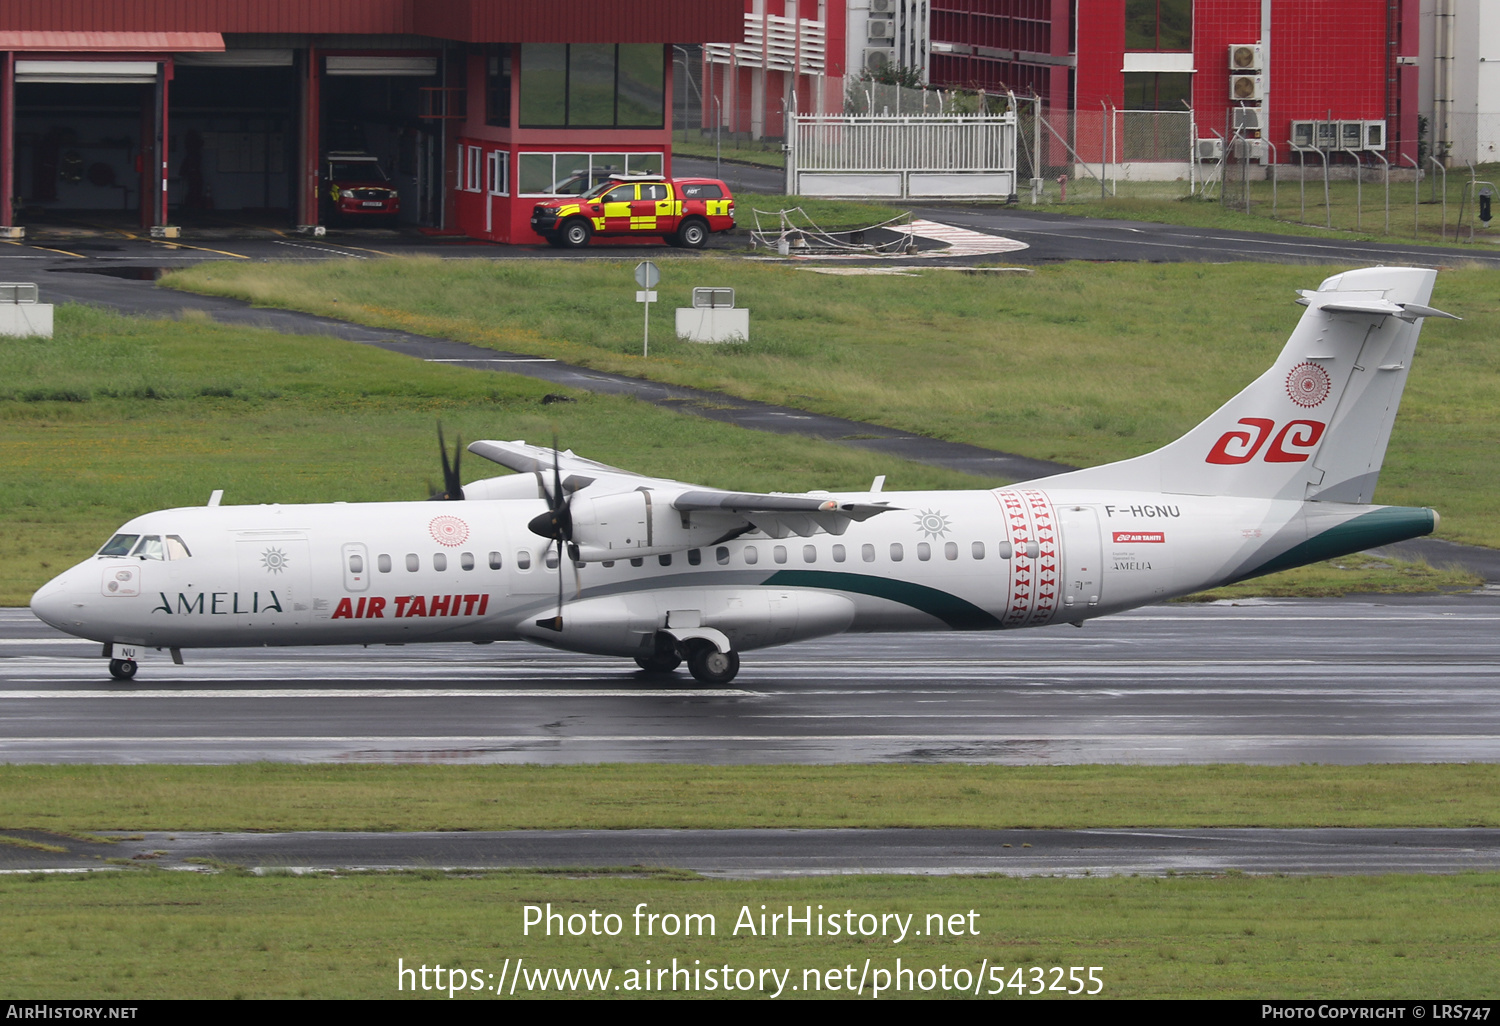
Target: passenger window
(383,563)
(119,545)
(466,560)
(413,564)
(752,555)
(149,548)
(439,561)
(356,563)
(523,560)
(924,551)
(838,553)
(721,555)
(695,557)
(177,548)
(551,559)
(637,561)
(978,550)
(665,559)
(809,553)
(779,553)
(607,563)
(867,553)
(495,561)
(896,552)
(950,550)
(1005,550)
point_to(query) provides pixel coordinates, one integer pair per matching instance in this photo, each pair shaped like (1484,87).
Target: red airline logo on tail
(1236,447)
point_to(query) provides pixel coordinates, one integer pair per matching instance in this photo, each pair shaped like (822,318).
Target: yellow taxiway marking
(365,249)
(48,249)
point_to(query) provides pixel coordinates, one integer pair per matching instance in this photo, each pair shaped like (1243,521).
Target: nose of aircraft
(53,600)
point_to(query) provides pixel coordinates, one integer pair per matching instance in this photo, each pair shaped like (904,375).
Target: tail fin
(1314,426)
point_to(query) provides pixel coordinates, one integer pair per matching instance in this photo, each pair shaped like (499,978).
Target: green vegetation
(143,934)
(1079,363)
(827,214)
(118,416)
(742,151)
(274,797)
(1351,211)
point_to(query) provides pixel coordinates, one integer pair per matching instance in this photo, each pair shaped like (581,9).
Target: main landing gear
(705,662)
(122,669)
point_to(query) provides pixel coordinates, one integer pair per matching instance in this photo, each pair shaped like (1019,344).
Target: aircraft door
(1083,554)
(356,563)
(274,583)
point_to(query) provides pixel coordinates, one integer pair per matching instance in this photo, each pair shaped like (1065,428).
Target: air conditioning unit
(1248,119)
(878,60)
(1210,149)
(1304,135)
(1250,149)
(1245,88)
(1374,135)
(882,6)
(1244,57)
(880,28)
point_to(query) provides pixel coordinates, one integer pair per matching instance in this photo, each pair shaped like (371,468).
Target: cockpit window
(149,548)
(119,545)
(177,548)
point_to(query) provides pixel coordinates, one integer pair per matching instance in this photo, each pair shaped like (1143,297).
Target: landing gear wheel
(659,663)
(122,669)
(576,233)
(693,234)
(711,666)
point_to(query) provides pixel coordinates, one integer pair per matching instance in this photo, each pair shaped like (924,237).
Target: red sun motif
(449,531)
(1308,385)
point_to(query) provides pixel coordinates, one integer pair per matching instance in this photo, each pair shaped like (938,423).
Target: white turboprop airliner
(661,571)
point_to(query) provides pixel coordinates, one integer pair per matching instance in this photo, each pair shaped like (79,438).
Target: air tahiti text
(407,606)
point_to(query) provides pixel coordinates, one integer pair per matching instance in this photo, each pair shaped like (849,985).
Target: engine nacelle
(626,525)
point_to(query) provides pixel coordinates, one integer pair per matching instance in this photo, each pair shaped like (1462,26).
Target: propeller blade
(557,524)
(453,488)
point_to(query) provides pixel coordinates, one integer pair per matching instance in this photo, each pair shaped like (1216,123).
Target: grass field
(158,935)
(1079,363)
(275,797)
(1348,210)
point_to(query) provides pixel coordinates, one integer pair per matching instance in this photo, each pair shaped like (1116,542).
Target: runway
(751,854)
(1401,679)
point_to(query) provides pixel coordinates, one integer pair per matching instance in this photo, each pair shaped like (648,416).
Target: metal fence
(1079,155)
(899,157)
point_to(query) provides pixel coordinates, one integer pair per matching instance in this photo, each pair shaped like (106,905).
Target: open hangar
(159,113)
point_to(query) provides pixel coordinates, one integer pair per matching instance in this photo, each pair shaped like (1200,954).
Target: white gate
(949,157)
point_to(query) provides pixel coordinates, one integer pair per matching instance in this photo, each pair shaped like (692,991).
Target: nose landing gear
(122,669)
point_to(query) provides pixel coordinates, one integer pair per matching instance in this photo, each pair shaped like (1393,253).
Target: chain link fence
(1072,156)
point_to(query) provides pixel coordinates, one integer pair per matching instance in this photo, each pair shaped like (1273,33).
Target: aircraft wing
(601,494)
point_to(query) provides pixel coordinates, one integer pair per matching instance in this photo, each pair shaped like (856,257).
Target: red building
(474,106)
(1308,59)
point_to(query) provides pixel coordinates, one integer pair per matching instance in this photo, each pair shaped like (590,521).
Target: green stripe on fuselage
(957,613)
(1370,530)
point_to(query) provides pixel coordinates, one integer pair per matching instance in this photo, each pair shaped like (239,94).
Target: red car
(356,189)
(683,211)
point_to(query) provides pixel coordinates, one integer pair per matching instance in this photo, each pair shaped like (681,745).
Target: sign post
(646,276)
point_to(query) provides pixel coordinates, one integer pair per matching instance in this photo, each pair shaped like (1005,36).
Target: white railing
(777,44)
(857,143)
